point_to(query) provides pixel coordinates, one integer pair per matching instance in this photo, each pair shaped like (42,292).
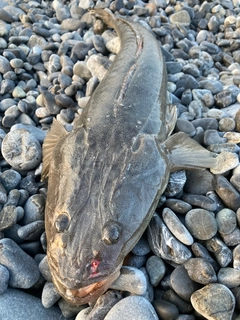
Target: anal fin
(186,153)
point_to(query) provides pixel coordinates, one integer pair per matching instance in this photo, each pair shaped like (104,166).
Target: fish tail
(105,15)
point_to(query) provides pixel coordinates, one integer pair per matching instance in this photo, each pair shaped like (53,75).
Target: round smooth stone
(182,284)
(142,247)
(185,126)
(165,309)
(50,295)
(70,310)
(225,161)
(176,227)
(226,124)
(44,269)
(236,257)
(178,205)
(98,66)
(8,217)
(32,231)
(183,306)
(25,306)
(180,18)
(200,201)
(4,279)
(156,269)
(201,252)
(23,269)
(214,302)
(21,150)
(200,270)
(230,277)
(133,307)
(204,179)
(10,179)
(176,183)
(132,280)
(226,220)
(227,193)
(201,223)
(221,252)
(34,209)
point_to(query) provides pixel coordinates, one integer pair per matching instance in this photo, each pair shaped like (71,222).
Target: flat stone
(200,270)
(156,269)
(225,161)
(181,17)
(214,302)
(226,220)
(221,252)
(230,277)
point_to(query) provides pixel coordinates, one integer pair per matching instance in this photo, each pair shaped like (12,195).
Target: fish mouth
(85,294)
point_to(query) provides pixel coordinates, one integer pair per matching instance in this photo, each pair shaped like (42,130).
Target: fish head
(97,208)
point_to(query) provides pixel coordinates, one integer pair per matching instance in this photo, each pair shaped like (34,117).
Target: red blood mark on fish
(94,266)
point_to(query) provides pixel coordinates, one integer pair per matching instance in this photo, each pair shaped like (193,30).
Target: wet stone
(176,227)
(200,201)
(221,252)
(178,206)
(226,220)
(161,240)
(23,269)
(165,309)
(200,270)
(214,302)
(26,153)
(132,307)
(206,227)
(8,217)
(182,284)
(229,277)
(156,269)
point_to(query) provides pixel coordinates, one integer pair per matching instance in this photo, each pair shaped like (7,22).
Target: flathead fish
(106,176)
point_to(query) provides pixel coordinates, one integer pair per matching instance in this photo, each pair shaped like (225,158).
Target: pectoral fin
(56,133)
(186,153)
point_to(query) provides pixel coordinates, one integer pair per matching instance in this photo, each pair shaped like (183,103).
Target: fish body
(106,176)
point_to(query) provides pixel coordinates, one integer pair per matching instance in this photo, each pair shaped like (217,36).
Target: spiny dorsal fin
(56,133)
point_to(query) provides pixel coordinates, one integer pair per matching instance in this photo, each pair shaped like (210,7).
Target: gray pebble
(185,126)
(236,257)
(204,179)
(50,295)
(212,137)
(231,239)
(10,179)
(176,227)
(34,209)
(70,310)
(214,302)
(4,65)
(181,17)
(161,240)
(4,279)
(79,51)
(182,284)
(80,69)
(3,194)
(98,66)
(28,183)
(176,183)
(25,306)
(142,247)
(206,123)
(230,277)
(156,269)
(206,227)
(132,307)
(104,304)
(178,206)
(200,270)
(183,306)
(200,201)
(31,231)
(44,269)
(227,193)
(221,252)
(165,309)
(201,252)
(23,269)
(226,220)
(132,280)
(21,150)
(8,217)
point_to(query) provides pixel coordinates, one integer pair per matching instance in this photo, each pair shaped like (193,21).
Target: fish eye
(62,222)
(111,232)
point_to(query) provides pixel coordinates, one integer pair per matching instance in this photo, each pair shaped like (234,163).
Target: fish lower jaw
(86,294)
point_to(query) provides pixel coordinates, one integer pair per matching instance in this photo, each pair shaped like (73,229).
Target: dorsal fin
(56,133)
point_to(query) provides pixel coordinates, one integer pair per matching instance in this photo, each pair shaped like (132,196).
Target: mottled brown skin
(106,176)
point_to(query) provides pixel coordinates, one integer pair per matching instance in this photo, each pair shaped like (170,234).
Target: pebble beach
(53,55)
